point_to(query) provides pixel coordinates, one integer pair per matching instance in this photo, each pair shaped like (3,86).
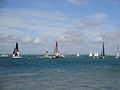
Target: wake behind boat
(16,52)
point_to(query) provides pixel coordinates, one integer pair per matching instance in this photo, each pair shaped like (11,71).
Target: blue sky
(78,25)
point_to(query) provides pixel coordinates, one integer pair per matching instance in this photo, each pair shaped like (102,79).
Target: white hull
(4,55)
(62,56)
(16,57)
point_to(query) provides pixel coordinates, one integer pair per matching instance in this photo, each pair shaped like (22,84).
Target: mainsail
(103,52)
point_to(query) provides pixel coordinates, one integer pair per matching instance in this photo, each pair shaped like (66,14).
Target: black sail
(16,46)
(103,52)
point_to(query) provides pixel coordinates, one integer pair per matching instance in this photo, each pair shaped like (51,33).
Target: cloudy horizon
(79,26)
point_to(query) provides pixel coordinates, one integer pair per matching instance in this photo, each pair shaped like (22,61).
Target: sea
(70,73)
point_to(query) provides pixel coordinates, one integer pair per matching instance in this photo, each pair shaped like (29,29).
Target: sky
(79,26)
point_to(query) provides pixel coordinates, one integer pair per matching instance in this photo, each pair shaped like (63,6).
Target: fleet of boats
(57,54)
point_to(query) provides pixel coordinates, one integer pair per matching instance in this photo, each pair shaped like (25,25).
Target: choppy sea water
(69,73)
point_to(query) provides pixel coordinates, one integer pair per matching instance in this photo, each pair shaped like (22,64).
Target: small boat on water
(96,55)
(56,52)
(90,55)
(47,55)
(78,55)
(118,54)
(4,55)
(16,52)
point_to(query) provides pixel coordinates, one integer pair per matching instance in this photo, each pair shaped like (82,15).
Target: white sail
(96,54)
(78,55)
(118,54)
(47,55)
(90,54)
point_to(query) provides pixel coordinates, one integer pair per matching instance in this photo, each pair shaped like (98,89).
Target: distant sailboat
(78,55)
(16,52)
(4,55)
(103,52)
(96,55)
(56,52)
(47,54)
(90,54)
(118,54)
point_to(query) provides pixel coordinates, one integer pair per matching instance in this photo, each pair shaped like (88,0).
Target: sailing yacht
(47,55)
(118,54)
(16,52)
(96,55)
(4,55)
(78,55)
(56,52)
(90,54)
(103,52)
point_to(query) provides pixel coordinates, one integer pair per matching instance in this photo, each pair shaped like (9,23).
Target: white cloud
(27,40)
(98,16)
(98,39)
(28,45)
(115,2)
(79,2)
(88,24)
(34,21)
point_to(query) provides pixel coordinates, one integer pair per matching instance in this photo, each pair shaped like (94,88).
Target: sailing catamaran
(118,54)
(56,52)
(16,52)
(103,52)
